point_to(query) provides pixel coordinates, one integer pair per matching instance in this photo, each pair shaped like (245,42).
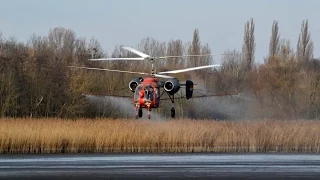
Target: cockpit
(149,92)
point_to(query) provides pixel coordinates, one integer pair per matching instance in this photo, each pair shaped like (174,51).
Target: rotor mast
(152,66)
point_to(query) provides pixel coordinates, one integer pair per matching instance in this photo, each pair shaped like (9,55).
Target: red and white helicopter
(146,92)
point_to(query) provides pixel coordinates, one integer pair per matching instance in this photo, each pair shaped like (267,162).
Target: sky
(127,22)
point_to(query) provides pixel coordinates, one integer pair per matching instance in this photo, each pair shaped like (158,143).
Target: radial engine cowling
(134,83)
(172,86)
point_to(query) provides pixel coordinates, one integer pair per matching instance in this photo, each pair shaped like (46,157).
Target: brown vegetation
(138,136)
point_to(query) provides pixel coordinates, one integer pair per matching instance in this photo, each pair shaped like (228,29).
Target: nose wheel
(140,112)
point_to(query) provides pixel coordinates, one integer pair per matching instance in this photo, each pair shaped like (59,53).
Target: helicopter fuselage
(147,94)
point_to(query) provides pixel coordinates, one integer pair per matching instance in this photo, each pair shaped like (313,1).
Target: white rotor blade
(189,69)
(195,55)
(116,59)
(162,76)
(112,70)
(136,52)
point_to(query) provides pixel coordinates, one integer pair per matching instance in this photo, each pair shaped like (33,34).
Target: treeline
(36,82)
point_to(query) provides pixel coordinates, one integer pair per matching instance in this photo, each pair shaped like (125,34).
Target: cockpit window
(149,92)
(137,91)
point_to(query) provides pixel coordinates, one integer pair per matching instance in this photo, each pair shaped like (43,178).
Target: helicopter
(146,92)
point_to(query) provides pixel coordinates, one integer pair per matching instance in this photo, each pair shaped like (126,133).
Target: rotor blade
(163,76)
(116,59)
(112,70)
(195,55)
(189,69)
(136,52)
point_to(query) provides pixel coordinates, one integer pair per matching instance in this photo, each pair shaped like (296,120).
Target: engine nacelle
(172,86)
(189,89)
(134,83)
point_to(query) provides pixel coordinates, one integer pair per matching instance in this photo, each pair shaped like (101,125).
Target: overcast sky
(114,22)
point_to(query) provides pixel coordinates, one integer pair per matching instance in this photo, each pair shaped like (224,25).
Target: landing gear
(138,112)
(173,112)
(148,109)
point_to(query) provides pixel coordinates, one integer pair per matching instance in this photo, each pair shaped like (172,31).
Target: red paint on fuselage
(147,93)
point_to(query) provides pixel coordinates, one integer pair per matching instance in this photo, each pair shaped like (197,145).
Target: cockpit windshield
(137,91)
(149,92)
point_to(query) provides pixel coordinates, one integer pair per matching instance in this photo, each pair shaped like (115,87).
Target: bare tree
(305,44)
(95,47)
(9,92)
(194,49)
(152,47)
(205,50)
(81,52)
(205,60)
(12,76)
(248,48)
(232,73)
(274,46)
(286,52)
(175,48)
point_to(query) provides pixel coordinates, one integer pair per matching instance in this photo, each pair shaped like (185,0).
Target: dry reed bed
(107,135)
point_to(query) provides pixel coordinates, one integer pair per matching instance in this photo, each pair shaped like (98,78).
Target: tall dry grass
(107,135)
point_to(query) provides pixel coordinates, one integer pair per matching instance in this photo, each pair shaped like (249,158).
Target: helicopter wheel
(173,112)
(140,112)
